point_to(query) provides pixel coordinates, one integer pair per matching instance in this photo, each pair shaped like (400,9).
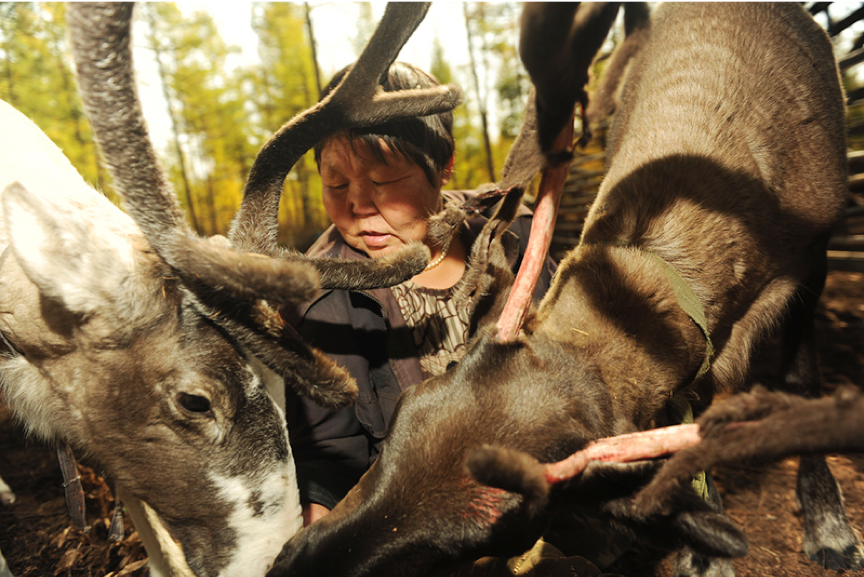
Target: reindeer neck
(619,305)
(715,226)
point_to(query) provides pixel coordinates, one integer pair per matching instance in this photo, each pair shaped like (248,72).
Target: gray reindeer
(727,172)
(160,354)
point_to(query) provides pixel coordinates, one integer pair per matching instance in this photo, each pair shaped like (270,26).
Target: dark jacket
(365,333)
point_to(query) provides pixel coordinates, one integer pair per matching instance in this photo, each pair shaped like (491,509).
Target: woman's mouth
(374,239)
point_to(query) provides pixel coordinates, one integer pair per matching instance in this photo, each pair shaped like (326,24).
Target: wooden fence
(846,248)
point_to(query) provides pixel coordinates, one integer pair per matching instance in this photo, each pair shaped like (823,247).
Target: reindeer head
(106,351)
(459,475)
(159,353)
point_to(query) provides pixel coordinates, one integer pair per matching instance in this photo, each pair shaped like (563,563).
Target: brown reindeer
(727,172)
(160,354)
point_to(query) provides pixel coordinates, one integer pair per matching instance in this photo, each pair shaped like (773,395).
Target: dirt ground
(37,539)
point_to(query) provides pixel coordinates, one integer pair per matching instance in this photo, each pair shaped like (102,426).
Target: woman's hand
(312,512)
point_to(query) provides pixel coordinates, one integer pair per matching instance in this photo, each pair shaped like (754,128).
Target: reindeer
(727,172)
(159,354)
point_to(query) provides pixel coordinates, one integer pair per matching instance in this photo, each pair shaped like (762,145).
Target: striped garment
(440,331)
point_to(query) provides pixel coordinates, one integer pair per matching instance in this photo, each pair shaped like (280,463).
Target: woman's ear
(447,172)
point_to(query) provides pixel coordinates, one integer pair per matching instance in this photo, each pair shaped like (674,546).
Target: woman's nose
(360,199)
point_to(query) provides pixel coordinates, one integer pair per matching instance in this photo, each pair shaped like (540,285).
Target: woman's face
(378,207)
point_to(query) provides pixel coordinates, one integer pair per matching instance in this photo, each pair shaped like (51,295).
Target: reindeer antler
(106,81)
(108,90)
(357,101)
(229,283)
(761,425)
(557,44)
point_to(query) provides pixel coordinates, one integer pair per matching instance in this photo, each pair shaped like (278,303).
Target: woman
(380,185)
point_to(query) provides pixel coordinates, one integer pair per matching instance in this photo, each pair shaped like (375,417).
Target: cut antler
(557,44)
(784,425)
(542,226)
(625,449)
(759,425)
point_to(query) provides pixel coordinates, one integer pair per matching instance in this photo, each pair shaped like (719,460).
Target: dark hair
(425,140)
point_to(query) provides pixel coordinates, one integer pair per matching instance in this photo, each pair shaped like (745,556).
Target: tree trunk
(211,201)
(314,49)
(163,78)
(490,163)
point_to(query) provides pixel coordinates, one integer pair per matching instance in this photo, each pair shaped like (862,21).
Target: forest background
(217,116)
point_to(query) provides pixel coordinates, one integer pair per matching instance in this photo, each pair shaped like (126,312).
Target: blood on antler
(759,425)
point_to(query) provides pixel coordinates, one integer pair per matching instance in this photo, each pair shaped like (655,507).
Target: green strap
(680,412)
(690,304)
(687,299)
(678,408)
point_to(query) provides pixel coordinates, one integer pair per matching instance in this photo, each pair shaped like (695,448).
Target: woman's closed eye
(386,181)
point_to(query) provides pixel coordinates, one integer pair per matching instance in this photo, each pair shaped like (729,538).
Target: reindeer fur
(727,160)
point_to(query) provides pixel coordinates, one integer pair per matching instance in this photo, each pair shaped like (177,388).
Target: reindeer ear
(485,288)
(71,259)
(690,522)
(510,470)
(711,534)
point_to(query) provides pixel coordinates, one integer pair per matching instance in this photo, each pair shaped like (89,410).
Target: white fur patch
(32,398)
(63,252)
(260,537)
(273,383)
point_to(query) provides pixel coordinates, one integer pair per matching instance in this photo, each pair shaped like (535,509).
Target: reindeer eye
(194,403)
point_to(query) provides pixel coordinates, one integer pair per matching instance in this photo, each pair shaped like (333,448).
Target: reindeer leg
(828,538)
